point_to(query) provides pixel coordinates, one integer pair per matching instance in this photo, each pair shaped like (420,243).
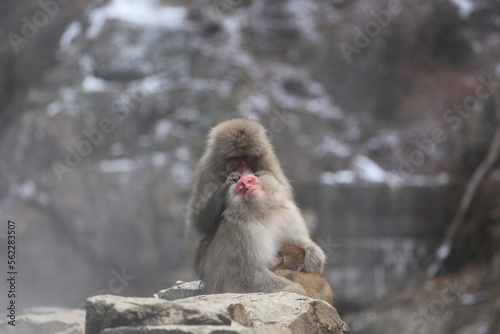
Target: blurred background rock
(105,106)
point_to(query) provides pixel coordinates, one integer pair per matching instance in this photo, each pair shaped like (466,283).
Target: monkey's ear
(299,267)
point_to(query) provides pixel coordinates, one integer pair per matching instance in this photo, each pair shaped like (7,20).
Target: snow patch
(145,13)
(443,251)
(323,108)
(332,146)
(365,170)
(117,166)
(256,102)
(54,108)
(94,84)
(25,190)
(159,159)
(368,170)
(340,177)
(162,129)
(304,16)
(465,7)
(73,30)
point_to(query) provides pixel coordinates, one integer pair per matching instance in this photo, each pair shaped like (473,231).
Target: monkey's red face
(249,187)
(243,164)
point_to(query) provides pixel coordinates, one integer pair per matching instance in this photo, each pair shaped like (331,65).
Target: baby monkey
(290,264)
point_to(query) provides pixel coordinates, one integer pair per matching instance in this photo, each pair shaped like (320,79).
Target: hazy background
(380,112)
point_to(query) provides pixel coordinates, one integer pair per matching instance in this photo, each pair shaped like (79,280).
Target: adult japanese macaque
(233,147)
(260,218)
(290,264)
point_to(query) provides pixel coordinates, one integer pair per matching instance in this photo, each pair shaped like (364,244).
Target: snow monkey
(290,264)
(233,148)
(259,219)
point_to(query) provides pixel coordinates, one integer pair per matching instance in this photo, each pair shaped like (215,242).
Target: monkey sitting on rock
(233,148)
(290,264)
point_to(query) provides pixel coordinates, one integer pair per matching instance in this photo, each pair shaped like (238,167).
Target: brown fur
(314,284)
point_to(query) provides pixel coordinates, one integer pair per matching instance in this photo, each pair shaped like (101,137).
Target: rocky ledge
(222,313)
(171,312)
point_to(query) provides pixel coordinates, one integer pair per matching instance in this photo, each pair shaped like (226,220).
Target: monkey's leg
(205,219)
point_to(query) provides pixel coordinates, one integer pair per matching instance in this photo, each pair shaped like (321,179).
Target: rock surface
(181,290)
(183,329)
(298,313)
(226,313)
(47,321)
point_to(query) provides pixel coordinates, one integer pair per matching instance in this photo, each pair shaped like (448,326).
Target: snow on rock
(465,7)
(54,108)
(332,146)
(73,30)
(342,176)
(368,170)
(365,170)
(146,13)
(95,84)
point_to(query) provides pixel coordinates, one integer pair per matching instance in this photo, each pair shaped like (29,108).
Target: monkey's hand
(315,258)
(233,177)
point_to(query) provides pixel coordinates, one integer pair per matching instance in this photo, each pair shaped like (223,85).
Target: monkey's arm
(261,279)
(315,257)
(207,213)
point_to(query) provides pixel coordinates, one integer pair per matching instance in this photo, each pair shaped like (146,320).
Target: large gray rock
(47,321)
(222,313)
(183,329)
(288,310)
(107,311)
